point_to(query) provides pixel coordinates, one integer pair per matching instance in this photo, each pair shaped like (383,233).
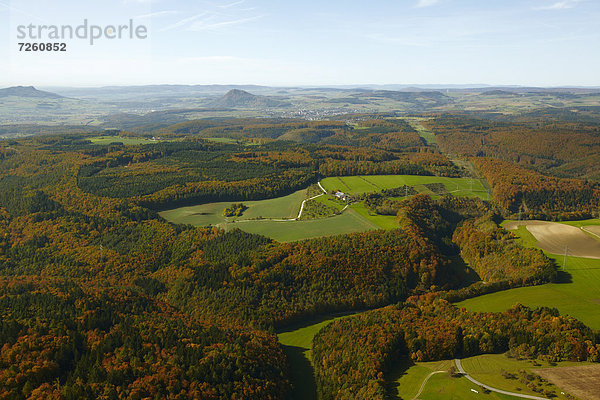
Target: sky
(309,42)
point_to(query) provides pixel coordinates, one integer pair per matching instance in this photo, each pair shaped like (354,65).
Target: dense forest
(519,189)
(561,148)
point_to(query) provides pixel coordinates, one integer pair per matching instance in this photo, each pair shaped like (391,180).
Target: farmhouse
(341,195)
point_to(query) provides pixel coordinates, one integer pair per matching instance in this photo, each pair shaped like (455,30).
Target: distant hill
(240,98)
(419,99)
(28,91)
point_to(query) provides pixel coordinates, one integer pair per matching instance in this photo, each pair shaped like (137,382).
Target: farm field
(577,292)
(487,369)
(554,238)
(580,381)
(382,221)
(212,213)
(274,211)
(289,231)
(375,183)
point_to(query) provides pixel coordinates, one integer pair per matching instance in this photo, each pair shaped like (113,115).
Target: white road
(523,396)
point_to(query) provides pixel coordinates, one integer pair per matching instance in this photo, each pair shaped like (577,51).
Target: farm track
(425,383)
(289,219)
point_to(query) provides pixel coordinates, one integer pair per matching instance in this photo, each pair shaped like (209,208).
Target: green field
(348,222)
(579,224)
(212,213)
(297,344)
(104,140)
(382,221)
(375,183)
(487,369)
(577,293)
(264,218)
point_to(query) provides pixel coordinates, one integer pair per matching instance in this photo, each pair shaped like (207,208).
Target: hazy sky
(309,42)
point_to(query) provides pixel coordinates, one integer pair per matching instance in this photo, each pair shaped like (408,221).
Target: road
(523,396)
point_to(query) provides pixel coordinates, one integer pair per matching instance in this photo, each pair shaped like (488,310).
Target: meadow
(268,218)
(212,213)
(290,231)
(460,187)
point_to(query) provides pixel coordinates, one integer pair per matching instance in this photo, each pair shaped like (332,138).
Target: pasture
(577,292)
(382,221)
(459,187)
(212,213)
(290,231)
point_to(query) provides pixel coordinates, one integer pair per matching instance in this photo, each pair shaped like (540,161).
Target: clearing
(555,238)
(274,218)
(579,381)
(286,207)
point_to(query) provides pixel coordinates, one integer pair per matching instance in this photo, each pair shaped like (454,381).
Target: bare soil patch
(553,238)
(582,382)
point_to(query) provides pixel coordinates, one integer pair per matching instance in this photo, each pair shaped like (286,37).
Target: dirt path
(523,396)
(304,202)
(425,383)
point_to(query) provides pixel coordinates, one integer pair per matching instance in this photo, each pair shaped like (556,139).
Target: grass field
(375,183)
(382,221)
(104,140)
(577,293)
(212,213)
(297,343)
(487,369)
(354,219)
(348,222)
